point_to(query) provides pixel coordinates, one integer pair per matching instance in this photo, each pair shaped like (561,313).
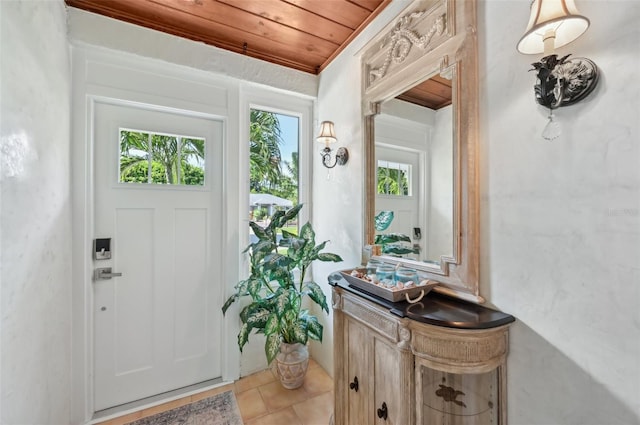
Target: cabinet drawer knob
(382,412)
(354,385)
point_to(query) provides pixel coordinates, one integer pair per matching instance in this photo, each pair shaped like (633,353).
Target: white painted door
(406,209)
(158,326)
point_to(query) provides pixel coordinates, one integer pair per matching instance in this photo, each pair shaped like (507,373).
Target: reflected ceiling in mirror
(434,93)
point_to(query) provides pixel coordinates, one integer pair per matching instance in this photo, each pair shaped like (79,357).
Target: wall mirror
(420,118)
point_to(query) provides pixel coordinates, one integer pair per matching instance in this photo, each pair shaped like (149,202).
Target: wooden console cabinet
(440,361)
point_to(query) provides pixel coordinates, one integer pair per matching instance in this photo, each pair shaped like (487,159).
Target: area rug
(220,409)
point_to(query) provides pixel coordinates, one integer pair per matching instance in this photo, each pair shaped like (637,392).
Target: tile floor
(263,401)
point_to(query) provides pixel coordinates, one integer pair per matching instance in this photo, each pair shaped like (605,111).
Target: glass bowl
(384,275)
(406,276)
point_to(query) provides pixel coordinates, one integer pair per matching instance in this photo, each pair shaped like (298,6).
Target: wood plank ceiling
(301,34)
(434,93)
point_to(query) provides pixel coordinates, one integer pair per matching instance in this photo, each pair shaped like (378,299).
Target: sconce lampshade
(556,21)
(327,133)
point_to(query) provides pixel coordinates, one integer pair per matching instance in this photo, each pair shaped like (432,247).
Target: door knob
(382,412)
(354,385)
(104,273)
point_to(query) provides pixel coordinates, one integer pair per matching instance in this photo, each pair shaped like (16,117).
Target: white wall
(560,231)
(36,215)
(560,223)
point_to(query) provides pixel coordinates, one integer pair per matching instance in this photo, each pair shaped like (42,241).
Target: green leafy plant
(276,298)
(391,243)
(260,213)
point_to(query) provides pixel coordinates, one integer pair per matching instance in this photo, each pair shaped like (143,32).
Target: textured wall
(560,221)
(35,238)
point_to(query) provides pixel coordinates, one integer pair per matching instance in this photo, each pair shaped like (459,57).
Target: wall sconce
(327,136)
(560,81)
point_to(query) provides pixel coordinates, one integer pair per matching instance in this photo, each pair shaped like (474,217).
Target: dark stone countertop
(435,309)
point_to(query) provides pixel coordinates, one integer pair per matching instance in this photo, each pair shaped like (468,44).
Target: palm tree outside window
(155,158)
(273,163)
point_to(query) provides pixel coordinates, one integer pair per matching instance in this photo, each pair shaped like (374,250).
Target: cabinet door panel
(357,347)
(457,399)
(387,386)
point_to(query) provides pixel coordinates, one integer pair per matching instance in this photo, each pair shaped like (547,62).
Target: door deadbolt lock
(104,273)
(102,249)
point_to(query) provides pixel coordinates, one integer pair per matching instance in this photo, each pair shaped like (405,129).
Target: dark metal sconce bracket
(563,82)
(341,157)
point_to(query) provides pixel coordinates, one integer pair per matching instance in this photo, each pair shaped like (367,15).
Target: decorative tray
(411,295)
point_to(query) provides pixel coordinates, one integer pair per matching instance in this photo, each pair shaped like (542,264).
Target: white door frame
(85,95)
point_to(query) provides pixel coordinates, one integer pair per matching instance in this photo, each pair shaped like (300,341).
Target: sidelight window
(273,164)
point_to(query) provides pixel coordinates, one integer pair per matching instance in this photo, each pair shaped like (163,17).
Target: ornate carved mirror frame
(432,37)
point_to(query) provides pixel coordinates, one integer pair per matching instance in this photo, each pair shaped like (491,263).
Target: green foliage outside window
(138,173)
(260,213)
(392,181)
(269,173)
(180,160)
(174,159)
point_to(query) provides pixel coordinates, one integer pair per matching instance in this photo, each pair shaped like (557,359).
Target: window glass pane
(394,178)
(134,157)
(155,158)
(273,165)
(164,156)
(192,161)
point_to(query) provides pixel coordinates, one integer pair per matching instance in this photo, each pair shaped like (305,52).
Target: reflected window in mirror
(393,178)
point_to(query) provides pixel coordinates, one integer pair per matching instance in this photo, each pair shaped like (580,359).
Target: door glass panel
(156,158)
(273,165)
(394,178)
(459,399)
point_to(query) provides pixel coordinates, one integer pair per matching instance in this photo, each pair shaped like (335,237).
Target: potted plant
(276,288)
(391,243)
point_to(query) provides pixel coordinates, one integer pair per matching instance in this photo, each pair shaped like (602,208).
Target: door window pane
(155,158)
(394,178)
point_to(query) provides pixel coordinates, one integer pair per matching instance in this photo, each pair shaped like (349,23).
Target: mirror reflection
(414,171)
